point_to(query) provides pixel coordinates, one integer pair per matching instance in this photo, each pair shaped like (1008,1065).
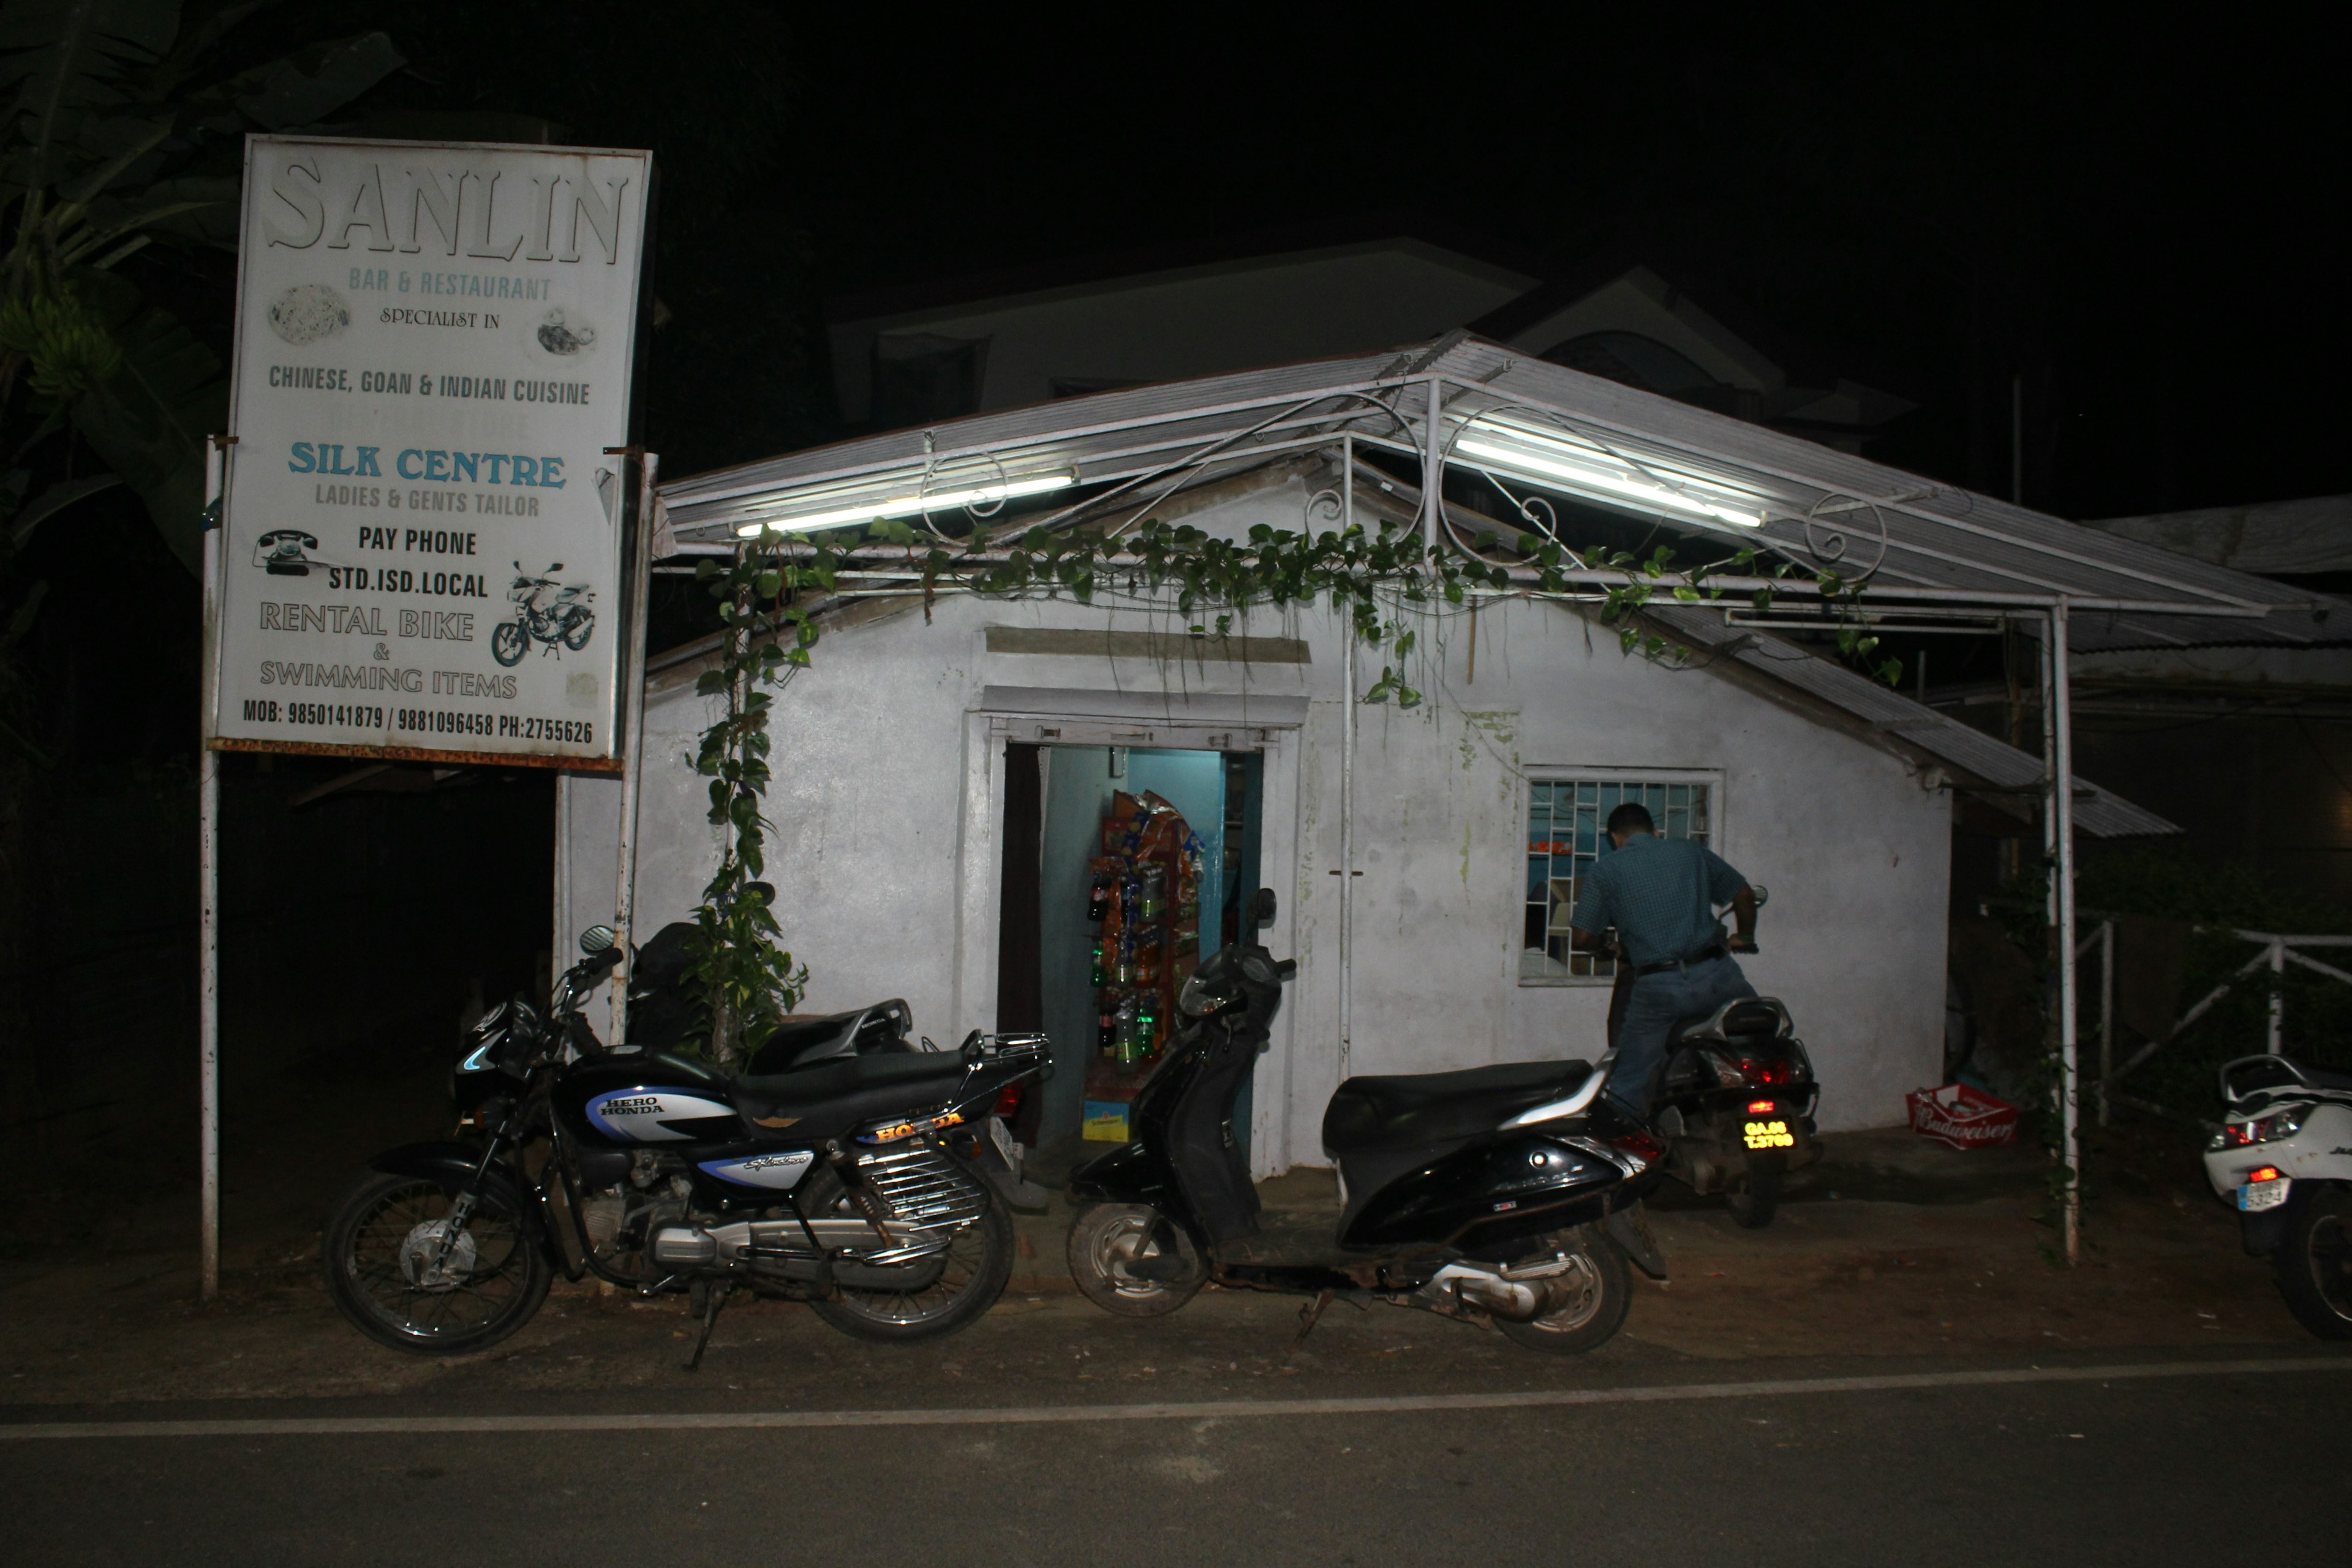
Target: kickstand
(1308,1316)
(713,1298)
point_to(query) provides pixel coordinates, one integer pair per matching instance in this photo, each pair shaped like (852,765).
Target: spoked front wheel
(1588,1299)
(403,1278)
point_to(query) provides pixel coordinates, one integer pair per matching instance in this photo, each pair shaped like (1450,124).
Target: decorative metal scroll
(1835,541)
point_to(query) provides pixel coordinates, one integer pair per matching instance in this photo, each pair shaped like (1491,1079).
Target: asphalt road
(2139,1459)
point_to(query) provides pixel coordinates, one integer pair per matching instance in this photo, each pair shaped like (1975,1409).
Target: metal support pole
(632,750)
(1348,776)
(559,940)
(208,894)
(2107,1015)
(2062,795)
(1432,476)
(2277,1027)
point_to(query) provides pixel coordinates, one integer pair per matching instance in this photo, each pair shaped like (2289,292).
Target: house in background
(943,770)
(2247,747)
(917,356)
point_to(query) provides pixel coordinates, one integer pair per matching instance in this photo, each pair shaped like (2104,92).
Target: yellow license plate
(1770,1135)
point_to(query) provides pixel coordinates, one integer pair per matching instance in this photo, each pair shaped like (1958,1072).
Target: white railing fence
(2276,951)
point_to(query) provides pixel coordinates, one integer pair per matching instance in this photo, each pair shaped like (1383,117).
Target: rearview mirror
(1757,888)
(1261,908)
(596,938)
(557,567)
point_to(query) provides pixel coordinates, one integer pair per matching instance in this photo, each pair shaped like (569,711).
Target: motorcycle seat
(828,1099)
(1423,1110)
(807,1039)
(1751,1019)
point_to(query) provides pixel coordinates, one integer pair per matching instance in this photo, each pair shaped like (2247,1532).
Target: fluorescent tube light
(908,505)
(1602,477)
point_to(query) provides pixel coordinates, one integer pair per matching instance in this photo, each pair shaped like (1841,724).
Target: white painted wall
(885,801)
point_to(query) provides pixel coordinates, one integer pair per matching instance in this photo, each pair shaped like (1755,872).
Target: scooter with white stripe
(2283,1159)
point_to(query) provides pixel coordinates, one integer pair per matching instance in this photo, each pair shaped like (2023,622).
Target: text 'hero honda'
(862,1177)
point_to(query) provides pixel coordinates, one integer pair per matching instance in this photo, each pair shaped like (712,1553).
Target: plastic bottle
(1096,975)
(1152,897)
(1097,900)
(1106,1026)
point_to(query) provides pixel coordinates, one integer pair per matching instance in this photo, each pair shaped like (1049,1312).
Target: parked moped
(1509,1193)
(2284,1161)
(1735,1105)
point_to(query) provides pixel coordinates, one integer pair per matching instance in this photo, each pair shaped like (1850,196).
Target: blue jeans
(1659,1002)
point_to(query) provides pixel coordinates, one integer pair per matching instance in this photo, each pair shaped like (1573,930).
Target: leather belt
(1716,950)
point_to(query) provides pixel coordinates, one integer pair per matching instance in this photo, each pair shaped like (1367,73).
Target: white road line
(1200,1410)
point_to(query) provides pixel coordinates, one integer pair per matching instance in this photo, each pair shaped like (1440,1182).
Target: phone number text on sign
(447,331)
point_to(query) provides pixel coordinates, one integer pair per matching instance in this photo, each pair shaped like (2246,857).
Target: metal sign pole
(2062,754)
(632,751)
(208,889)
(1346,777)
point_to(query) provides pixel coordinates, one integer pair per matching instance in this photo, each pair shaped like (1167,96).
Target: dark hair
(1632,817)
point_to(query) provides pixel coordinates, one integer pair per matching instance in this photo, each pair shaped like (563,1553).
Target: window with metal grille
(1567,832)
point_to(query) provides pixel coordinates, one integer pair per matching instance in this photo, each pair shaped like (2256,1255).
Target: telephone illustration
(284,552)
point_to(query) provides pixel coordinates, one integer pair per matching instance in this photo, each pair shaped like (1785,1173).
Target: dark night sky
(2136,220)
(2134,209)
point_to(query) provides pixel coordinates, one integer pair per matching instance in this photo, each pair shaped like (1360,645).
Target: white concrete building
(892,812)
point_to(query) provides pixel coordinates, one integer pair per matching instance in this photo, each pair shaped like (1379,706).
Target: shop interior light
(908,505)
(1582,468)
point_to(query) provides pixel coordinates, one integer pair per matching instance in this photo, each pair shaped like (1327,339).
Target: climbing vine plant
(1379,579)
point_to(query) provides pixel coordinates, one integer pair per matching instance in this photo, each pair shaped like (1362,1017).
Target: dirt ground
(1891,1246)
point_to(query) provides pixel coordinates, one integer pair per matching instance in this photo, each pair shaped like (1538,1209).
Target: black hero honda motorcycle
(1509,1192)
(865,1184)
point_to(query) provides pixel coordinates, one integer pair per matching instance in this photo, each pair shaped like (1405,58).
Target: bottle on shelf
(1097,900)
(1096,975)
(1152,896)
(1124,1032)
(1106,1026)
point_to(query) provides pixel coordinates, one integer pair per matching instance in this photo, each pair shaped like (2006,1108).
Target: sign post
(419,550)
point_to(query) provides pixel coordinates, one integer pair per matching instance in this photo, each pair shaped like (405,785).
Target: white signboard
(422,552)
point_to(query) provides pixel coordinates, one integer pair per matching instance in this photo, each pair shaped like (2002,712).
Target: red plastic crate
(1962,1117)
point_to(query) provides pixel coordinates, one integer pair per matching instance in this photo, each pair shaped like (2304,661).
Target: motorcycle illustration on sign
(545,611)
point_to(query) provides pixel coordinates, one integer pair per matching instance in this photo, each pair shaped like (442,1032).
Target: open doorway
(1124,866)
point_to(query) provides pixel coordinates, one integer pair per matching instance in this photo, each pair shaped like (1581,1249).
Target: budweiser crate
(1963,1117)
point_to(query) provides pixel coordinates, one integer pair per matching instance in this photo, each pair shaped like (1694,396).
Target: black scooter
(1509,1193)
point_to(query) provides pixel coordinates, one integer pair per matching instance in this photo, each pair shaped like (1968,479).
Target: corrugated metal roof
(1993,763)
(1925,536)
(1981,761)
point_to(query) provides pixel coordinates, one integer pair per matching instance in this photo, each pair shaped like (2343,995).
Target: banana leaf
(148,422)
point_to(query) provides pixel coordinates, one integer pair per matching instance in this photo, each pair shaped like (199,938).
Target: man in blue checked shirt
(1659,895)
